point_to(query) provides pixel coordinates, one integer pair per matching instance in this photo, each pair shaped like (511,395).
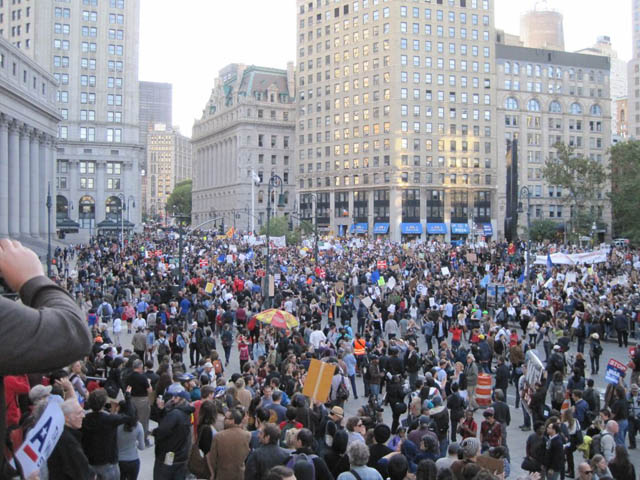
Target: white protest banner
(42,439)
(445,271)
(367,302)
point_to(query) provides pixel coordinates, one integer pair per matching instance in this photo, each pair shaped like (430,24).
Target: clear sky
(186,43)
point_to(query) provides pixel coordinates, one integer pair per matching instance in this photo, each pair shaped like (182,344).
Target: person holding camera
(45,332)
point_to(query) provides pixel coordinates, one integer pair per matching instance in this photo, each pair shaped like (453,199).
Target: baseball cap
(489,412)
(208,365)
(184,394)
(39,392)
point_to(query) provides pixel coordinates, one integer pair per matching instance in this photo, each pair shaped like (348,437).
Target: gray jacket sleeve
(45,332)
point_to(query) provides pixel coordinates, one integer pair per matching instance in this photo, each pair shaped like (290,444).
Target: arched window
(507,67)
(112,209)
(511,103)
(555,107)
(576,109)
(260,196)
(62,207)
(516,68)
(87,209)
(533,105)
(596,110)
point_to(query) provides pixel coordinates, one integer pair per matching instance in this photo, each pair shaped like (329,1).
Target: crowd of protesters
(410,329)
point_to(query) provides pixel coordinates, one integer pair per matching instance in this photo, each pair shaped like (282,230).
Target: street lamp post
(122,207)
(49,205)
(526,193)
(594,227)
(274,182)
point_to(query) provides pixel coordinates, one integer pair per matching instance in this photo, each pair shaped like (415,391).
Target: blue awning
(411,228)
(352,228)
(460,228)
(360,228)
(381,228)
(487,229)
(437,228)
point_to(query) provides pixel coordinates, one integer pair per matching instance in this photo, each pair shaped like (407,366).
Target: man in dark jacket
(621,324)
(304,445)
(68,461)
(268,455)
(554,452)
(173,438)
(502,376)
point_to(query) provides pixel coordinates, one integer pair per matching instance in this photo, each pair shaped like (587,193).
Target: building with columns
(247,127)
(91,47)
(395,132)
(28,127)
(169,162)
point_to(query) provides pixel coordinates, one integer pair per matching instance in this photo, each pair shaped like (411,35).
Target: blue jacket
(581,408)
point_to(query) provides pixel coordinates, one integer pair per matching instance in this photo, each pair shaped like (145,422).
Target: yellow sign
(317,385)
(209,288)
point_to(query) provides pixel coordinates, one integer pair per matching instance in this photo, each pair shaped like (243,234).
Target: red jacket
(14,386)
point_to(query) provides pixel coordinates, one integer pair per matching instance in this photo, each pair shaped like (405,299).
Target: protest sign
(615,370)
(317,385)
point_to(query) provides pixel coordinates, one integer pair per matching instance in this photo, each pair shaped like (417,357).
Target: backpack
(201,316)
(557,393)
(163,348)
(180,342)
(342,394)
(217,366)
(298,459)
(596,444)
(283,435)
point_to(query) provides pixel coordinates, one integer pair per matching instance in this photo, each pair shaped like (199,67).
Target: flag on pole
(549,265)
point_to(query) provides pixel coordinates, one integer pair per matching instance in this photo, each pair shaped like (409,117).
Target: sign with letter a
(42,438)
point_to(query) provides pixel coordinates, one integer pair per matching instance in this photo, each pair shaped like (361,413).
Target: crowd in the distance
(414,355)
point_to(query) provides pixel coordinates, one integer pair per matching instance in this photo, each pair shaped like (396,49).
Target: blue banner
(381,228)
(411,228)
(437,228)
(460,228)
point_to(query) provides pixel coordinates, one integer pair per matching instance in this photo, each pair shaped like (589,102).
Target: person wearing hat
(595,350)
(331,424)
(490,430)
(173,436)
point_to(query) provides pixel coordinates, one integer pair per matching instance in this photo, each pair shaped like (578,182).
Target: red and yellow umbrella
(277,318)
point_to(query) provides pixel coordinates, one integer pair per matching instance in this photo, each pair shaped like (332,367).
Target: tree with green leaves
(180,200)
(544,229)
(625,181)
(581,177)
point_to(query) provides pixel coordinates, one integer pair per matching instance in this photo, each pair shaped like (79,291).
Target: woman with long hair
(130,439)
(621,466)
(206,429)
(574,433)
(600,467)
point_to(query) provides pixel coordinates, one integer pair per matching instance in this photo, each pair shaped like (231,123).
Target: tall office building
(545,97)
(168,163)
(633,77)
(91,47)
(247,127)
(396,117)
(156,107)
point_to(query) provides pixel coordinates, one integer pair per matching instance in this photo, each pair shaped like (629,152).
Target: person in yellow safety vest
(359,350)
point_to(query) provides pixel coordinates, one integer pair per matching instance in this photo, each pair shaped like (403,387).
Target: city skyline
(193,81)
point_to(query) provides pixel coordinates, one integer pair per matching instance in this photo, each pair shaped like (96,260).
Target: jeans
(143,411)
(595,363)
(129,470)
(623,337)
(623,426)
(194,354)
(177,471)
(352,378)
(374,388)
(444,445)
(634,426)
(526,417)
(227,353)
(110,471)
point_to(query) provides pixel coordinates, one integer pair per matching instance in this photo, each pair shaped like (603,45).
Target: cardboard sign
(382,264)
(203,262)
(367,302)
(471,257)
(260,273)
(317,385)
(615,370)
(391,283)
(42,438)
(445,271)
(209,288)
